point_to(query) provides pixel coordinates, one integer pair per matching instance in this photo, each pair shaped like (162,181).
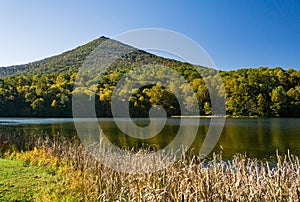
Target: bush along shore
(79,177)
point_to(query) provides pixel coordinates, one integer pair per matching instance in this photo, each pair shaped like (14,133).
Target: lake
(257,137)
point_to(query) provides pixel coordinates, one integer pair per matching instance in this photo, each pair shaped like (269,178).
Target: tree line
(262,92)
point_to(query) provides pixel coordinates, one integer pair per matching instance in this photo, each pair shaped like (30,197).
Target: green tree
(37,104)
(279,99)
(207,108)
(262,107)
(294,101)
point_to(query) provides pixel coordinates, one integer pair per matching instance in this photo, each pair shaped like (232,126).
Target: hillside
(45,88)
(68,61)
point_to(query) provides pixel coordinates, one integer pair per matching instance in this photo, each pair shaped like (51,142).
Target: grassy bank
(80,177)
(20,182)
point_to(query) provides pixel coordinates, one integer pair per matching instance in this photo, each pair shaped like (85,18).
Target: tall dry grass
(189,179)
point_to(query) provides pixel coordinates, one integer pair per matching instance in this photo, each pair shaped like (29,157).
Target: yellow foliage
(54,104)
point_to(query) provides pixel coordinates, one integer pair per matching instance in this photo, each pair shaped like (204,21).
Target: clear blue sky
(235,33)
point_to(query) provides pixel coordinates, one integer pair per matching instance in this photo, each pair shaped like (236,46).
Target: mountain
(45,88)
(72,60)
(68,61)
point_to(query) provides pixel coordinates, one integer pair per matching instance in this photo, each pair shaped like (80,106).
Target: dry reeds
(188,179)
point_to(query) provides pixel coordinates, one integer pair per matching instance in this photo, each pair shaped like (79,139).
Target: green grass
(20,182)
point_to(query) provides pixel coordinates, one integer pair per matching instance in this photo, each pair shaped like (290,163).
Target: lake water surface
(257,137)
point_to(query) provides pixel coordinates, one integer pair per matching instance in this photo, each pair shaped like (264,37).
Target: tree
(37,104)
(279,99)
(207,108)
(262,107)
(294,101)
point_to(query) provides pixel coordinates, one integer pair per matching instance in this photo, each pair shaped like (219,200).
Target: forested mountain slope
(45,88)
(65,62)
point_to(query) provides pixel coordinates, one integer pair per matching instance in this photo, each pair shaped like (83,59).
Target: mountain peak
(72,60)
(103,37)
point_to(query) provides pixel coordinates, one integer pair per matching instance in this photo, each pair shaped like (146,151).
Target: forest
(45,88)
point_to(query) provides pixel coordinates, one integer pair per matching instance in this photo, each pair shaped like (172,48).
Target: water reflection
(257,137)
